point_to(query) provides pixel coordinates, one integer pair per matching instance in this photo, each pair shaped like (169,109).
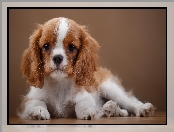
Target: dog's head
(60,47)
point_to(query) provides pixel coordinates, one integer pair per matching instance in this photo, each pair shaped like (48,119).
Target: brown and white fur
(62,66)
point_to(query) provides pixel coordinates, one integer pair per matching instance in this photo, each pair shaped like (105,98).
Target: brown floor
(159,117)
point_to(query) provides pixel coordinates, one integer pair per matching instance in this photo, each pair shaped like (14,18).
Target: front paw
(86,113)
(146,110)
(39,113)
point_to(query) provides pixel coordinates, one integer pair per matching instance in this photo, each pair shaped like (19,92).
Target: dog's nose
(57,59)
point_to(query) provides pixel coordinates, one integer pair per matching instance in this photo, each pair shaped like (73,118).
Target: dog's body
(66,80)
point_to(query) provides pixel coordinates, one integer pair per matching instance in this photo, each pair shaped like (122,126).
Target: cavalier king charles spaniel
(62,67)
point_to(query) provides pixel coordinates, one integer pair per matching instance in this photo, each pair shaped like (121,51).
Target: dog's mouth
(58,70)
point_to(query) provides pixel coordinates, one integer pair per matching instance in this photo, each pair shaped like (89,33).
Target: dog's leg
(35,109)
(112,91)
(86,107)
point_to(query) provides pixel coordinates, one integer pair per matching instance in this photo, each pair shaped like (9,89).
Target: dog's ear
(87,60)
(32,64)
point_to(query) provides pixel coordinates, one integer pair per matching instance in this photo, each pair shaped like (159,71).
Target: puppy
(62,67)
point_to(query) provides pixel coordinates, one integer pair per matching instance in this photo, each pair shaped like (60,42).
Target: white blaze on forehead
(62,31)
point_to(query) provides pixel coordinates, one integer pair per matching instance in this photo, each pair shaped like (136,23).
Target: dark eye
(71,47)
(46,46)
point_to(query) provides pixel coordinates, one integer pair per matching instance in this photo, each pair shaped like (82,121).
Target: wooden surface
(157,118)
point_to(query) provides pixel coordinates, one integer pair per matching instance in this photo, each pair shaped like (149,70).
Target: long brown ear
(87,60)
(31,64)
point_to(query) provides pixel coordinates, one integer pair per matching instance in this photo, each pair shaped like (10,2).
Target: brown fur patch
(87,61)
(31,64)
(102,74)
(72,37)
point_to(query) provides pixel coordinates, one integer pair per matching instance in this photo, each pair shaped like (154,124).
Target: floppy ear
(87,60)
(31,64)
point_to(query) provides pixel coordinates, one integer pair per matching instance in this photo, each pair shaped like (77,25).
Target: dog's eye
(71,47)
(46,46)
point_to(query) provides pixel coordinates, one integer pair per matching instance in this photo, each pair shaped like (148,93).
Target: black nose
(57,59)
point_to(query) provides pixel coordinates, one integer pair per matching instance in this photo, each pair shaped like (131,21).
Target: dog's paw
(110,109)
(39,113)
(86,111)
(86,114)
(146,110)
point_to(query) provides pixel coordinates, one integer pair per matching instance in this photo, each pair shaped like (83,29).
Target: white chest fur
(58,95)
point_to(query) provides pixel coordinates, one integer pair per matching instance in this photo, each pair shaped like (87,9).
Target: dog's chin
(58,73)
